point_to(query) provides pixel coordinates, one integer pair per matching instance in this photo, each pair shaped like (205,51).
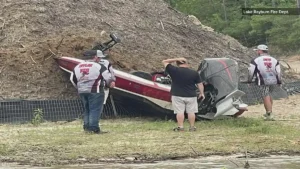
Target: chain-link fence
(22,111)
(253,93)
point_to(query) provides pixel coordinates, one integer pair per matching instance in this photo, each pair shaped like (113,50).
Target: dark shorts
(267,90)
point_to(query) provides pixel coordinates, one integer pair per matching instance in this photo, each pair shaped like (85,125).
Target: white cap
(262,47)
(100,54)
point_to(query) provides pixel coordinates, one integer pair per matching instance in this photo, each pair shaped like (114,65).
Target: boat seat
(143,75)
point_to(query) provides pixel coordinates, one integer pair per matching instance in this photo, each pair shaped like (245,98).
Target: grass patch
(143,139)
(4,150)
(250,125)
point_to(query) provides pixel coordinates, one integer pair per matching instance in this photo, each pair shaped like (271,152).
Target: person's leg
(84,99)
(180,119)
(179,107)
(268,101)
(95,104)
(102,107)
(271,101)
(191,109)
(271,89)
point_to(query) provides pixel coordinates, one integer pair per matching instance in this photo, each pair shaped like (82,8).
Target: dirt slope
(30,30)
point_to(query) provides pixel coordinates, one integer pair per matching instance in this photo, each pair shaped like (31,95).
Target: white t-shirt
(266,69)
(111,70)
(108,67)
(87,77)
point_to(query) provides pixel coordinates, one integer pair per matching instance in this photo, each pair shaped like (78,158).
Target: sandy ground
(294,62)
(287,109)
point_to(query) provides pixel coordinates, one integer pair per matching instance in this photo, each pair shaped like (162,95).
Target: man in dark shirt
(183,91)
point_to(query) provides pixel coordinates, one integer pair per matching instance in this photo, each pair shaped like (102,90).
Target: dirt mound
(32,30)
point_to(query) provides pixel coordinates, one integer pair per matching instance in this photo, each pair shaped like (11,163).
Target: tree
(226,17)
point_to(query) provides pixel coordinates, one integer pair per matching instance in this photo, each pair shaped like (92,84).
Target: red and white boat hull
(154,92)
(149,97)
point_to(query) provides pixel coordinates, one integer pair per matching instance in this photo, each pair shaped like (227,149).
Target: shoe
(100,132)
(268,117)
(178,129)
(96,131)
(193,128)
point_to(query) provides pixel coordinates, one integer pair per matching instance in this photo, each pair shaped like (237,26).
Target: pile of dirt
(32,31)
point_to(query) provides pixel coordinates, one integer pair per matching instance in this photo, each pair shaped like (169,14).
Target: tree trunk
(224,8)
(273,3)
(298,6)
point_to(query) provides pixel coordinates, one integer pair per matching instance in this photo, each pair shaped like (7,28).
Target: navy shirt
(184,81)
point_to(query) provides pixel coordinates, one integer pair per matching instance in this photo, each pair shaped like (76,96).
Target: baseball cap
(93,53)
(261,47)
(100,54)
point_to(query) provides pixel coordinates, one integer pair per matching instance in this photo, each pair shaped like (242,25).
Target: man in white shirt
(109,67)
(267,73)
(88,78)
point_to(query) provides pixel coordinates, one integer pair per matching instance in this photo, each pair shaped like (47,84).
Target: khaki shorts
(184,104)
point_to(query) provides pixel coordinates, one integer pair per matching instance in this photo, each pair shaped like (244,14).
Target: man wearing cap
(109,67)
(87,77)
(267,73)
(183,91)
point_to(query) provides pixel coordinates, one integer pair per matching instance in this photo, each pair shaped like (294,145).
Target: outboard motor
(222,96)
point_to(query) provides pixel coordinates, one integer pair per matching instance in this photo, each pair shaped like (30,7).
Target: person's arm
(251,70)
(107,76)
(169,68)
(200,87)
(73,79)
(168,61)
(111,70)
(278,71)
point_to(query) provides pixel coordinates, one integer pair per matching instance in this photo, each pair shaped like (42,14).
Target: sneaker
(268,117)
(193,128)
(100,132)
(96,132)
(178,129)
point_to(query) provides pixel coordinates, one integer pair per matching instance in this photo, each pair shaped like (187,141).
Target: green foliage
(145,138)
(281,32)
(249,125)
(3,149)
(37,117)
(264,129)
(238,123)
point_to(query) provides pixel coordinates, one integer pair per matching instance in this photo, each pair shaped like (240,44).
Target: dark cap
(92,53)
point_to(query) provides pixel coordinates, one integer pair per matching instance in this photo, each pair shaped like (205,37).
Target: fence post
(113,105)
